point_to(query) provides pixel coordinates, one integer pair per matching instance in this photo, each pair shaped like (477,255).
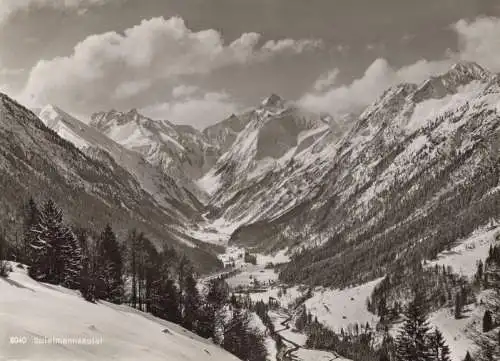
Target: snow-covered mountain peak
(97,145)
(396,108)
(470,69)
(50,109)
(105,121)
(180,151)
(463,73)
(60,121)
(50,115)
(390,101)
(272,138)
(273,101)
(459,75)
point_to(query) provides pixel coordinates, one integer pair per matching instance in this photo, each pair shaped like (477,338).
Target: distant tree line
(443,288)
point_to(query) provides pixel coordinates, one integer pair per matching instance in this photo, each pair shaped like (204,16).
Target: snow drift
(44,322)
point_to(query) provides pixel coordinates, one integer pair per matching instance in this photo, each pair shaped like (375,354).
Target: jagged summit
(460,74)
(274,101)
(52,109)
(50,115)
(180,151)
(471,69)
(104,120)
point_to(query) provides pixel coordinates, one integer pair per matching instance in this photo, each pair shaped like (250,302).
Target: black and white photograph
(253,180)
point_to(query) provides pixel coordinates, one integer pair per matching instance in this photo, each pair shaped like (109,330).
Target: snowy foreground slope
(32,311)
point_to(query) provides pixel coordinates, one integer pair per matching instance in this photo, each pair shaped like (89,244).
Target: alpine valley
(323,227)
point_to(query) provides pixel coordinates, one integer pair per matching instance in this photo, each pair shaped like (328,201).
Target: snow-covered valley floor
(32,311)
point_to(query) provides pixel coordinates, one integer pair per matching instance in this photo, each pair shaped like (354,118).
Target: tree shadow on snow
(16,284)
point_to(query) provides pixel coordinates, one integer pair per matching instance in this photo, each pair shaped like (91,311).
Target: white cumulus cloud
(479,41)
(198,111)
(184,90)
(326,80)
(155,51)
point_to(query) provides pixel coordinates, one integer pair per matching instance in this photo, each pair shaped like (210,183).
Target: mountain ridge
(278,166)
(92,191)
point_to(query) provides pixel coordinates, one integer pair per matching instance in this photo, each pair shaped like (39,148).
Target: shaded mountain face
(92,188)
(223,134)
(418,170)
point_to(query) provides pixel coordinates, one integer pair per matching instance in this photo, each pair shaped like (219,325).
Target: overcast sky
(197,61)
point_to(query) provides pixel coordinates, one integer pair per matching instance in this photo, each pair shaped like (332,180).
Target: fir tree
(218,293)
(216,298)
(382,310)
(111,262)
(487,321)
(191,302)
(31,218)
(184,268)
(152,264)
(170,303)
(412,344)
(232,341)
(89,266)
(383,356)
(241,340)
(233,301)
(50,238)
(458,307)
(439,350)
(479,272)
(256,347)
(468,357)
(488,341)
(72,259)
(4,267)
(133,241)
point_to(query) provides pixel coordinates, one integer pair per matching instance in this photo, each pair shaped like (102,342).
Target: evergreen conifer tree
(72,260)
(468,357)
(170,303)
(191,302)
(412,344)
(49,242)
(458,307)
(488,341)
(439,349)
(487,321)
(4,267)
(31,218)
(111,263)
(89,265)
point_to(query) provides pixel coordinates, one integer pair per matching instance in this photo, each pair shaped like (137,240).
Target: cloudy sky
(197,61)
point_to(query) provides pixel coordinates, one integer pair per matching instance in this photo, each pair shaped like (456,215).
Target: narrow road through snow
(289,355)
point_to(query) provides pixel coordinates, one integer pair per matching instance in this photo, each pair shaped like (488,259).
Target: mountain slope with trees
(418,170)
(91,188)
